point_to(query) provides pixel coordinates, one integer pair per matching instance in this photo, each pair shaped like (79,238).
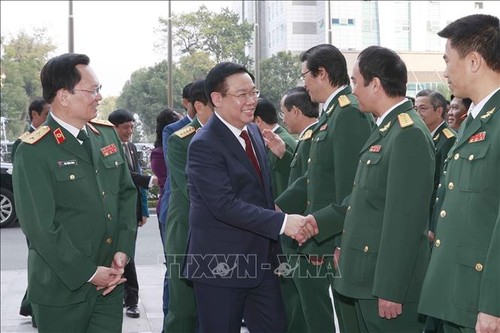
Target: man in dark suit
(75,201)
(124,124)
(234,229)
(461,285)
(266,118)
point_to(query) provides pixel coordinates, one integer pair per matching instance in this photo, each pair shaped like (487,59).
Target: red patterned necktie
(250,152)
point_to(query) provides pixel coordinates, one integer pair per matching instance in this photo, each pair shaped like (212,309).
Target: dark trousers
(131,286)
(166,293)
(220,309)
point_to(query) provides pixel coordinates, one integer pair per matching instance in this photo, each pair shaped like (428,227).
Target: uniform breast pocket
(368,173)
(72,186)
(112,165)
(473,167)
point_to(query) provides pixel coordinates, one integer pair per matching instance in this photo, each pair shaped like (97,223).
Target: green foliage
(23,57)
(278,74)
(221,35)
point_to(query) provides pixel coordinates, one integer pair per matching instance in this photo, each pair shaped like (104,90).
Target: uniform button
(365,249)
(444,172)
(109,240)
(96,171)
(307,180)
(442,213)
(456,156)
(354,184)
(437,199)
(343,231)
(72,177)
(116,163)
(109,216)
(451,185)
(309,161)
(349,208)
(308,202)
(368,162)
(478,267)
(438,242)
(471,157)
(103,193)
(439,186)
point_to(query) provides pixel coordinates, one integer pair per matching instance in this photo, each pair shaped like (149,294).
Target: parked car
(7,209)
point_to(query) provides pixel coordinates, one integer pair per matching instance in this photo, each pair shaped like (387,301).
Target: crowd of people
(364,207)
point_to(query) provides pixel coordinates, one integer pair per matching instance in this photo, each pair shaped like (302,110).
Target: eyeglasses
(92,92)
(423,108)
(243,97)
(303,75)
(281,115)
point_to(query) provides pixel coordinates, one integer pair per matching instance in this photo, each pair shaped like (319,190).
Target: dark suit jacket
(76,212)
(140,181)
(233,225)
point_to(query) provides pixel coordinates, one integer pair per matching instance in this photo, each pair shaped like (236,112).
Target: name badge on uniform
(478,137)
(375,148)
(109,150)
(62,164)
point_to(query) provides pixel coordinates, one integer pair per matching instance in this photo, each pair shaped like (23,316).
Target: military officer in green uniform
(384,251)
(300,115)
(431,106)
(75,200)
(182,317)
(37,113)
(462,286)
(339,136)
(266,117)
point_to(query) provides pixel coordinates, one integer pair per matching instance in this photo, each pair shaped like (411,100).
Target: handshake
(301,228)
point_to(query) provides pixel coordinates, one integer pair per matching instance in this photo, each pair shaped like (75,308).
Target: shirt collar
(70,128)
(332,96)
(382,117)
(475,109)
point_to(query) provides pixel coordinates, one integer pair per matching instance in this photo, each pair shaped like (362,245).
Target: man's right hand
(300,228)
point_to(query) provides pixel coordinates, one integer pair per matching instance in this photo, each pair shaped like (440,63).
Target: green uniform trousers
(99,314)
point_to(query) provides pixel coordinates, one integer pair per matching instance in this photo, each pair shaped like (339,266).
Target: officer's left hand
(487,323)
(388,309)
(143,221)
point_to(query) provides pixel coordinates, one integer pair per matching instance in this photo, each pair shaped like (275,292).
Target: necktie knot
(82,135)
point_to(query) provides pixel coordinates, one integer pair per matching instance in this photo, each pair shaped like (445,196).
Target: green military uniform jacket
(444,138)
(464,271)
(76,213)
(280,167)
(17,142)
(339,136)
(385,251)
(298,167)
(178,212)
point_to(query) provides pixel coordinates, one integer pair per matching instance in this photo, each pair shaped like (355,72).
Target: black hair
(37,105)
(197,92)
(61,73)
(165,117)
(300,98)
(266,111)
(185,90)
(331,59)
(216,77)
(120,116)
(385,64)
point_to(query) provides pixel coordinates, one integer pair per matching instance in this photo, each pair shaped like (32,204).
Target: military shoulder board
(307,135)
(448,134)
(404,120)
(36,135)
(185,131)
(24,135)
(102,122)
(344,101)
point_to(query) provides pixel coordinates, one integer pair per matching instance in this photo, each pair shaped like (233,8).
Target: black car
(7,209)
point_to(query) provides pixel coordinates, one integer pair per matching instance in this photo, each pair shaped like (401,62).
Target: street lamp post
(71,40)
(170,95)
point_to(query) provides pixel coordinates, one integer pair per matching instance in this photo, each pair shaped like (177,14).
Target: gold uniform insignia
(385,128)
(36,135)
(329,111)
(24,135)
(448,134)
(102,122)
(488,114)
(404,120)
(185,131)
(307,135)
(344,101)
(436,137)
